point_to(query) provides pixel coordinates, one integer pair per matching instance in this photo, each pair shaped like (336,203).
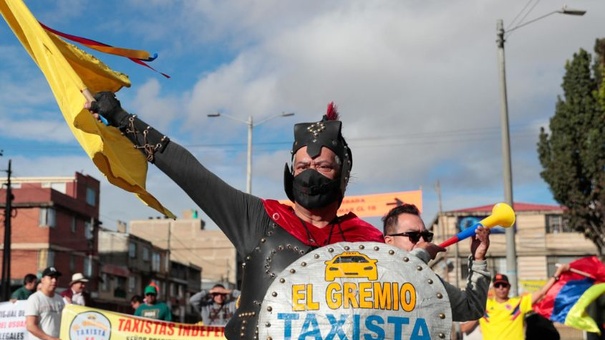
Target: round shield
(356,291)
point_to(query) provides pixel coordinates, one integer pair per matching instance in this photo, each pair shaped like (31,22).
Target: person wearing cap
(44,307)
(77,293)
(404,229)
(216,306)
(504,316)
(152,308)
(260,229)
(30,281)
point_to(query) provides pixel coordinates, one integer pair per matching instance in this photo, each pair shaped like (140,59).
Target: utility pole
(6,251)
(511,251)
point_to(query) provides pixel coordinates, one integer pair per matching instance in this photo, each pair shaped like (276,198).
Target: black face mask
(313,190)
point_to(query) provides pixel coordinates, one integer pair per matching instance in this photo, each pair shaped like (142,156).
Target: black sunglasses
(414,236)
(500,284)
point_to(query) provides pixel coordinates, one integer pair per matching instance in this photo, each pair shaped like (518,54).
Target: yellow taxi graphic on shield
(351,264)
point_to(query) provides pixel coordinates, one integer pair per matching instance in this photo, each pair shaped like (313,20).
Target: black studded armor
(275,251)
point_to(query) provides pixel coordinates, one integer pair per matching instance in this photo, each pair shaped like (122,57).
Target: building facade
(188,242)
(54,222)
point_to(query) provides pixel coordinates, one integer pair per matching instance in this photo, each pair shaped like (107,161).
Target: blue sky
(416,83)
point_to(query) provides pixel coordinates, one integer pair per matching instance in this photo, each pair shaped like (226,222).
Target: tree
(572,153)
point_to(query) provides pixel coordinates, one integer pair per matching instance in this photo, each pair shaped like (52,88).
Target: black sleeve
(240,216)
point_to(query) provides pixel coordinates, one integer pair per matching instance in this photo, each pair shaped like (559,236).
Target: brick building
(54,223)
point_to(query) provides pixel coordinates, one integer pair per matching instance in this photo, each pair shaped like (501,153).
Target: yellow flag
(69,71)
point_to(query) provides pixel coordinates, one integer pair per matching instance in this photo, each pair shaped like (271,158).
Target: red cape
(353,228)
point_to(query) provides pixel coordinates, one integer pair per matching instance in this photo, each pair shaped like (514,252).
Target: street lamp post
(511,253)
(250,123)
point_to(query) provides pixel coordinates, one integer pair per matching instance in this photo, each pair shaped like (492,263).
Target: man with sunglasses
(404,229)
(504,316)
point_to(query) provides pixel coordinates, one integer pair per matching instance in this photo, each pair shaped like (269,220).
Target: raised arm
(538,295)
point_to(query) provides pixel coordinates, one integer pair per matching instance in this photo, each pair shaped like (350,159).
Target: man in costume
(268,235)
(404,229)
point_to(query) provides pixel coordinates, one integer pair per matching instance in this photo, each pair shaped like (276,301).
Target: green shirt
(158,311)
(21,294)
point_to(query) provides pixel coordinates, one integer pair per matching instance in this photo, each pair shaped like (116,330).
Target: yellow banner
(85,323)
(376,205)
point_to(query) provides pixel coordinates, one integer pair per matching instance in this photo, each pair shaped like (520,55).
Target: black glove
(107,105)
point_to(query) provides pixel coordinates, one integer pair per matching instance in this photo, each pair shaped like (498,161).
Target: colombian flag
(72,73)
(567,299)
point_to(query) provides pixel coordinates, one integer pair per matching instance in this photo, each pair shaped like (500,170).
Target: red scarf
(350,226)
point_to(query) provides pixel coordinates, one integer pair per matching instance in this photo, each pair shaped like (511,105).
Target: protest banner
(12,321)
(85,323)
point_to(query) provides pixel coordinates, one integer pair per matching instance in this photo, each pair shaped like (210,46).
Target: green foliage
(572,153)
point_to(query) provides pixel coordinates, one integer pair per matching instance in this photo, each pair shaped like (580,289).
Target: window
(552,262)
(132,250)
(47,217)
(557,224)
(46,258)
(88,229)
(74,222)
(87,267)
(120,290)
(104,282)
(91,196)
(132,284)
(155,262)
(145,254)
